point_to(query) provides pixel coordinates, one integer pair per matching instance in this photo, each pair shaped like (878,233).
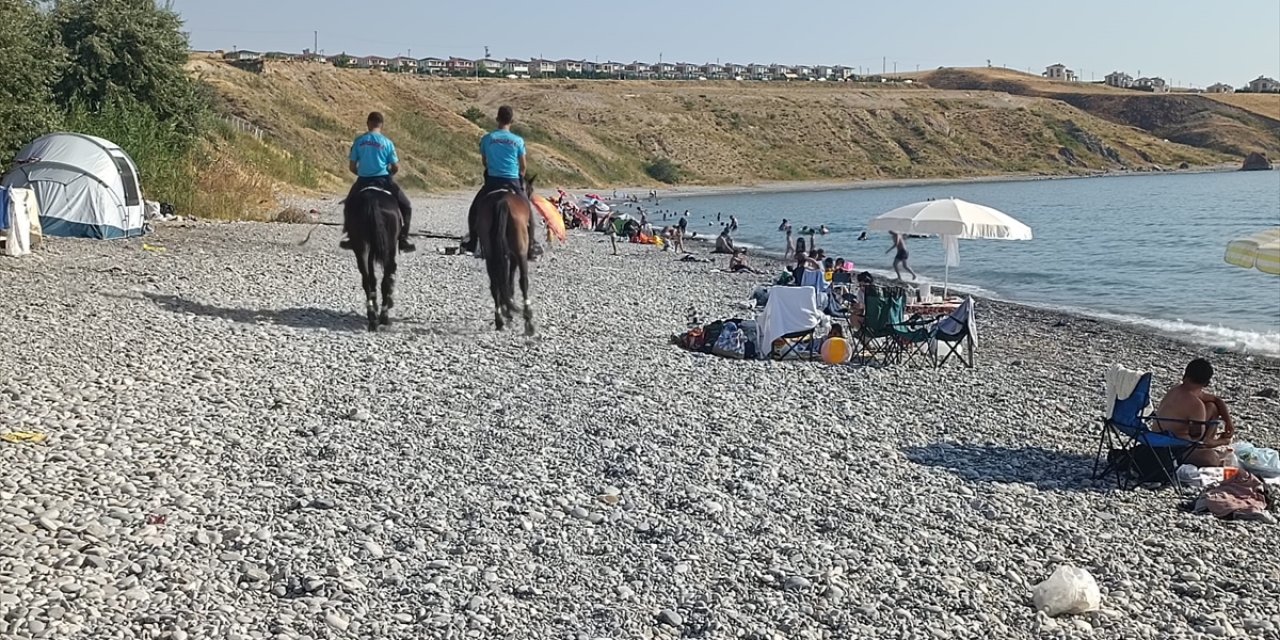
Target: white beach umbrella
(953,219)
(1259,251)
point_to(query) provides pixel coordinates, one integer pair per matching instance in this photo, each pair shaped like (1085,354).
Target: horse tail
(502,247)
(382,243)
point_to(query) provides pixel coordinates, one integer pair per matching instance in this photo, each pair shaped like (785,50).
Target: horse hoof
(528,331)
(384,320)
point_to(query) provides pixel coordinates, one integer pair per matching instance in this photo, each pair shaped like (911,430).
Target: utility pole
(895,67)
(315,42)
(884,65)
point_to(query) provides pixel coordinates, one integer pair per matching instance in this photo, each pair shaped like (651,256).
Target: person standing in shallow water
(900,258)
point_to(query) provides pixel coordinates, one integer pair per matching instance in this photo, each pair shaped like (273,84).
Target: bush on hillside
(478,118)
(663,170)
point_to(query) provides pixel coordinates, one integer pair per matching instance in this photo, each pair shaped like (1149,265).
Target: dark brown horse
(502,226)
(374,216)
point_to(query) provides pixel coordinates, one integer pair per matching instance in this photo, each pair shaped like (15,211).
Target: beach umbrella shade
(953,219)
(1259,251)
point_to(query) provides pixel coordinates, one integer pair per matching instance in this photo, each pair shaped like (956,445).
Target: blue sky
(1191,41)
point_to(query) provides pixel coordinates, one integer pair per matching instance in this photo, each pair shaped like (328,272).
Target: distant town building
(1059,72)
(1221,87)
(713,70)
(279,56)
(372,62)
(1154,85)
(1264,85)
(1119,79)
(609,69)
(461,66)
(433,66)
(569,67)
(242,56)
(735,71)
(688,70)
(512,66)
(403,63)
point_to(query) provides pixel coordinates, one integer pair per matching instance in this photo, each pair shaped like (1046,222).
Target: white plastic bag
(1262,462)
(1069,590)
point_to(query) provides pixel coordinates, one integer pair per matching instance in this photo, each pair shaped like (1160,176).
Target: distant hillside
(598,133)
(1235,124)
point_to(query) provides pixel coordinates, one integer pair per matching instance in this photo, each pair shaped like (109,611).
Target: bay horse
(373,216)
(502,227)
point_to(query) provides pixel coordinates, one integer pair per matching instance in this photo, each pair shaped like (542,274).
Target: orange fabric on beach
(550,215)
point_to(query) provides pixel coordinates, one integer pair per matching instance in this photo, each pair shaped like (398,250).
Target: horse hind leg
(388,291)
(370,290)
(368,281)
(528,302)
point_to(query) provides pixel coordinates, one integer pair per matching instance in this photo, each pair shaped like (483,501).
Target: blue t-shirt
(502,150)
(373,153)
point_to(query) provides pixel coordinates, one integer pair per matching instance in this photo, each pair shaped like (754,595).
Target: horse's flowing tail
(382,241)
(502,248)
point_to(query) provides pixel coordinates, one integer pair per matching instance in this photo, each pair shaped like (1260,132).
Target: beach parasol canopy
(1259,251)
(953,219)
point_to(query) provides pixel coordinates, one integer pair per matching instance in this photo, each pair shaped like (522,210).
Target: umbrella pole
(946,282)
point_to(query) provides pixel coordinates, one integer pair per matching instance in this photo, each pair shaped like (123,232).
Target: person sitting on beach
(800,248)
(738,263)
(858,310)
(724,242)
(804,263)
(1191,413)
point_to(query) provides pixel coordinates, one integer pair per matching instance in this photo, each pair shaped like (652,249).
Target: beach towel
(1120,385)
(1240,498)
(789,310)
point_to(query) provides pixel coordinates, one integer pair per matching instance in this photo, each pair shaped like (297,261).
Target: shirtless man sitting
(1191,413)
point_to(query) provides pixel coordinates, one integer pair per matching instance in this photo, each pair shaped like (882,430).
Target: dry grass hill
(1235,124)
(597,133)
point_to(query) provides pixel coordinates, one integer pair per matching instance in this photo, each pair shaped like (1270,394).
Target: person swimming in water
(824,230)
(900,259)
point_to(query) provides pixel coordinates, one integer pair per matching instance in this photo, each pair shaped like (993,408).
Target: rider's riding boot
(345,244)
(406,246)
(468,244)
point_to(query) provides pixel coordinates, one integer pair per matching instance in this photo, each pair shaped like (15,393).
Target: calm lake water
(1141,249)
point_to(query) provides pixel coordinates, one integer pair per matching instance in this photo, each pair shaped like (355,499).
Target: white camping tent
(87,187)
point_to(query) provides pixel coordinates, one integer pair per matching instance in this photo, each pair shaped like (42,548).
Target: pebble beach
(231,455)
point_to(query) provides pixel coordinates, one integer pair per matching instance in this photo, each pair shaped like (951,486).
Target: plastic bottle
(1230,464)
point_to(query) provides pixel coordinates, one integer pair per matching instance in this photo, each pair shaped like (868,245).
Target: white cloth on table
(1120,385)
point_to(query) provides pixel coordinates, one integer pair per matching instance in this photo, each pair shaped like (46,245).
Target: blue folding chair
(1131,451)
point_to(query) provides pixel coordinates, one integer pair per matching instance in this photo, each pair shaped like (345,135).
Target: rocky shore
(230,455)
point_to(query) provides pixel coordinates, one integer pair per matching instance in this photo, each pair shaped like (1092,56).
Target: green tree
(130,50)
(30,61)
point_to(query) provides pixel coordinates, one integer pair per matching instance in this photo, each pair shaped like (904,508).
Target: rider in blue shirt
(503,155)
(374,161)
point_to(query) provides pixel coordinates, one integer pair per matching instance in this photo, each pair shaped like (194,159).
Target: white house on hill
(1264,85)
(1119,79)
(1221,87)
(1059,72)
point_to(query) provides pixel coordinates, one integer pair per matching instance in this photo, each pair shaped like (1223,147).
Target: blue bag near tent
(87,187)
